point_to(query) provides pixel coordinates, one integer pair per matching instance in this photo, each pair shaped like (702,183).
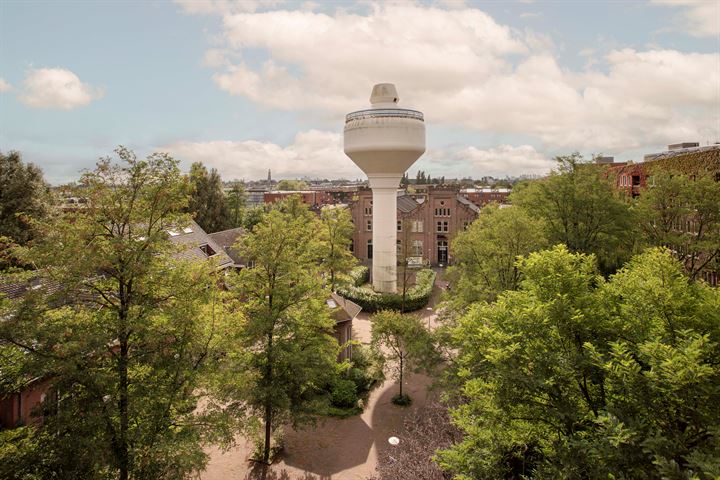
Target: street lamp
(429,309)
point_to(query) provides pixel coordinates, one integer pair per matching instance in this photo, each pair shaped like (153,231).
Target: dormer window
(207,250)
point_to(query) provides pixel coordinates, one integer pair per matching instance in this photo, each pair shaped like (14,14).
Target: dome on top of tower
(384,93)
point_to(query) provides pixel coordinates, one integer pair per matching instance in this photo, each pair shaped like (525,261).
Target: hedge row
(415,298)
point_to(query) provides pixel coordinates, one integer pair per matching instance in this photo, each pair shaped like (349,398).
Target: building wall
(17,408)
(437,205)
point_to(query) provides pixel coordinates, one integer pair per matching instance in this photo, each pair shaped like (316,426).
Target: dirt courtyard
(336,449)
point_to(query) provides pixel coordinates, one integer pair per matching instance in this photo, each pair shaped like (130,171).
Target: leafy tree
(293,185)
(288,350)
(254,215)
(405,342)
(576,377)
(683,214)
(24,196)
(336,235)
(120,327)
(208,204)
(486,253)
(582,211)
(236,204)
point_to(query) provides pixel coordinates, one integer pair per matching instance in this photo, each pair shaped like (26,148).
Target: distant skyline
(247,86)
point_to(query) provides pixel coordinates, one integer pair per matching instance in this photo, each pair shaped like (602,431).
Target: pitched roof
(468,203)
(343,309)
(226,239)
(406,204)
(196,238)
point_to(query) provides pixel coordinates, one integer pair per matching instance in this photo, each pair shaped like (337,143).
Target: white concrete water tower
(384,141)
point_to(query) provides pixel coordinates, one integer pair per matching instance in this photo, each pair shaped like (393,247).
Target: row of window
(442,212)
(417,226)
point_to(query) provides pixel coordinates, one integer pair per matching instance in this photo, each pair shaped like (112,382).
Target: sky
(505,86)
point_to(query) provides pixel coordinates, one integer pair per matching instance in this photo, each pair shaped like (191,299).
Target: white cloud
(57,88)
(498,161)
(4,86)
(225,6)
(701,18)
(462,68)
(313,153)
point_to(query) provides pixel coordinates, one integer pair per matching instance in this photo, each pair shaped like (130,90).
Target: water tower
(384,141)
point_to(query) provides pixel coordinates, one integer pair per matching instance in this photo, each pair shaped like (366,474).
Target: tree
(288,352)
(121,327)
(582,211)
(573,376)
(208,204)
(236,203)
(336,235)
(293,185)
(486,253)
(405,342)
(683,214)
(24,196)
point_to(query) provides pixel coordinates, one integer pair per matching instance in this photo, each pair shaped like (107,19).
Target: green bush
(344,393)
(366,370)
(415,298)
(359,275)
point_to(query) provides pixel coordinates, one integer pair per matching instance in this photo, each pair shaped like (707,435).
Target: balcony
(384,113)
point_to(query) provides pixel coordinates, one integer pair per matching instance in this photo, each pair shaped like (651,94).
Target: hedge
(359,275)
(415,298)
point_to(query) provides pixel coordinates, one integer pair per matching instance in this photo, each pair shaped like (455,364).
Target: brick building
(428,219)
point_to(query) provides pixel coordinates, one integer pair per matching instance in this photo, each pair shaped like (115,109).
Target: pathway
(336,449)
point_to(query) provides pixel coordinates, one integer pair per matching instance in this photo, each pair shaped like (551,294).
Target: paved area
(336,449)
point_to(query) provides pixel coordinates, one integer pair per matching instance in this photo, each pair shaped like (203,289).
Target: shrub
(415,298)
(366,368)
(402,400)
(344,393)
(359,275)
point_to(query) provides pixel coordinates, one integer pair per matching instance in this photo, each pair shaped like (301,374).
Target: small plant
(344,394)
(402,400)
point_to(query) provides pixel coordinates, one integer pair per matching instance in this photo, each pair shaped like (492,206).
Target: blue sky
(247,86)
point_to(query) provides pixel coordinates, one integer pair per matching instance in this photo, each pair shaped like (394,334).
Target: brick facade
(428,219)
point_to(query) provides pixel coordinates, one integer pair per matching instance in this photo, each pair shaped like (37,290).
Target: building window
(352,245)
(398,248)
(368,210)
(442,212)
(442,226)
(368,226)
(417,226)
(466,225)
(369,249)
(207,250)
(417,248)
(399,225)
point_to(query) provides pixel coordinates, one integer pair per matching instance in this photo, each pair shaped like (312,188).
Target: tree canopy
(573,376)
(486,253)
(682,212)
(24,196)
(208,203)
(582,210)
(121,327)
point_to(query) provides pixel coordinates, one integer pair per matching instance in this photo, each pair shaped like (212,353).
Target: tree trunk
(123,455)
(268,432)
(401,375)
